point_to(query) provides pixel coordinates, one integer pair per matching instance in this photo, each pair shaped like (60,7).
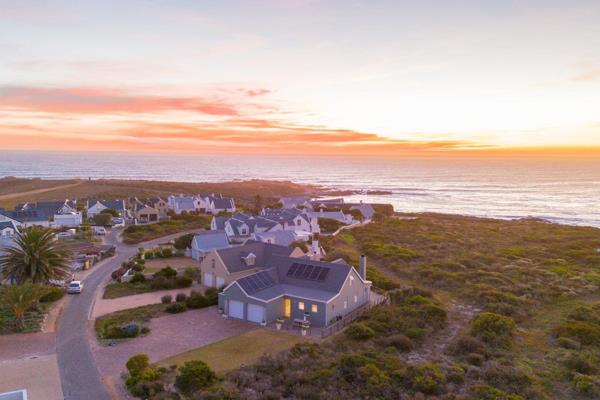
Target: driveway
(79,374)
(182,332)
(38,374)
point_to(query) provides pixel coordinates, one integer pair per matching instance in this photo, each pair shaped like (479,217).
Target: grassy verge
(137,315)
(122,289)
(231,353)
(142,233)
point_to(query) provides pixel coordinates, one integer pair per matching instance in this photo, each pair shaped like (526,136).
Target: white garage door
(220,282)
(255,313)
(208,279)
(236,309)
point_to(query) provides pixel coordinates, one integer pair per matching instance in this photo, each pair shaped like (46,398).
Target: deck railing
(352,316)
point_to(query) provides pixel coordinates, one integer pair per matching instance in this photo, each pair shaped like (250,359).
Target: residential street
(79,374)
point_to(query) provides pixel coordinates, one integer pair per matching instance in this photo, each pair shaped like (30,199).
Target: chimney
(314,246)
(362,266)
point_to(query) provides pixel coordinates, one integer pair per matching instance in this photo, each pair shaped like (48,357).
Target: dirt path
(459,316)
(38,191)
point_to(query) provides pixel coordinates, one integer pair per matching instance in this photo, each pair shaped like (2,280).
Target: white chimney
(362,266)
(314,247)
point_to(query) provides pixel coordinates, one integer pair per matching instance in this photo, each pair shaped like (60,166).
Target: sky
(299,76)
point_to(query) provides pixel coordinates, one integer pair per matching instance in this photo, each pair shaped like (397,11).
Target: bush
(167,252)
(197,300)
(359,331)
(53,294)
(161,283)
(138,277)
(183,242)
(212,294)
(584,332)
(180,297)
(485,392)
(138,268)
(138,363)
(149,254)
(426,378)
(193,376)
(166,272)
(399,342)
(182,282)
(493,328)
(585,385)
(166,299)
(122,332)
(176,308)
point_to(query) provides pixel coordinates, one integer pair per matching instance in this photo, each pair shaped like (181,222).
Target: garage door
(220,282)
(208,279)
(256,313)
(236,309)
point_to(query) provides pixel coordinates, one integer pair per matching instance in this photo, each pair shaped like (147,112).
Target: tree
(183,242)
(194,375)
(35,257)
(19,299)
(103,218)
(110,211)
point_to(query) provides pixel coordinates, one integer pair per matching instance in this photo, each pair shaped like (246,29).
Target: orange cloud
(100,101)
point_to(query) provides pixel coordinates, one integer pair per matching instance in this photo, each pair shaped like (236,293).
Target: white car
(75,287)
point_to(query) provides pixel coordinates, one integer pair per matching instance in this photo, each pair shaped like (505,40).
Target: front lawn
(138,315)
(178,223)
(231,353)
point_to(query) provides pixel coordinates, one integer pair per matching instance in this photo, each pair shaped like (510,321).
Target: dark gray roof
(317,280)
(117,205)
(233,257)
(8,224)
(220,222)
(283,238)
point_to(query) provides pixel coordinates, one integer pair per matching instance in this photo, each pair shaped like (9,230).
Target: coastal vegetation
(479,309)
(177,223)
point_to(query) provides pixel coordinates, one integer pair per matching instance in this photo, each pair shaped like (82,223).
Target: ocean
(559,190)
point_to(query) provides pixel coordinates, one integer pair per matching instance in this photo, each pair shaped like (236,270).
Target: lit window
(345,304)
(355,299)
(300,306)
(314,308)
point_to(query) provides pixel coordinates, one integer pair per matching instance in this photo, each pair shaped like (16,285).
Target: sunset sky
(299,76)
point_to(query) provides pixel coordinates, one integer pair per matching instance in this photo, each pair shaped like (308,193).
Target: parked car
(75,287)
(117,221)
(99,230)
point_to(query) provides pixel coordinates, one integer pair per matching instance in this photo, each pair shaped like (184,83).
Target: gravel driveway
(170,335)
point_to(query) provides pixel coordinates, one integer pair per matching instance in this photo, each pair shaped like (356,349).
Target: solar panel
(307,271)
(292,269)
(315,273)
(323,274)
(256,282)
(300,270)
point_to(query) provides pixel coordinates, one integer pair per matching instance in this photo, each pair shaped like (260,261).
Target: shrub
(166,272)
(493,328)
(161,282)
(176,308)
(167,252)
(138,363)
(166,299)
(212,294)
(583,363)
(584,332)
(426,378)
(585,385)
(197,300)
(485,392)
(585,314)
(145,330)
(182,282)
(138,268)
(193,376)
(149,254)
(183,242)
(53,294)
(400,342)
(180,297)
(138,277)
(466,345)
(122,332)
(359,331)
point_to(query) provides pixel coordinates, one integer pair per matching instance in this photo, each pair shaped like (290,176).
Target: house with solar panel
(294,288)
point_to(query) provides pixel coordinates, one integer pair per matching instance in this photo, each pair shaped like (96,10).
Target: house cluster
(205,204)
(263,282)
(54,214)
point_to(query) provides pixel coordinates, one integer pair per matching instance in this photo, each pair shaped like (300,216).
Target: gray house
(298,289)
(207,241)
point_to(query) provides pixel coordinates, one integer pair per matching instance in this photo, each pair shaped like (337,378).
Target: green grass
(231,353)
(122,289)
(138,314)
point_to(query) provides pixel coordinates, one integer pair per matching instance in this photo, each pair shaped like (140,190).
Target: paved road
(78,371)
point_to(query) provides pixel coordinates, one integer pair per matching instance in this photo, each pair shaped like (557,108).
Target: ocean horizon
(561,190)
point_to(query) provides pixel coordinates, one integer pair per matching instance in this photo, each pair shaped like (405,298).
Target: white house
(95,207)
(217,203)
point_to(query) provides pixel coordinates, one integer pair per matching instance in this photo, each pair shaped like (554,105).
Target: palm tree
(35,257)
(19,299)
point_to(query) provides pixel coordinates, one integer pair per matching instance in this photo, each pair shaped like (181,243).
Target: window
(300,305)
(314,308)
(355,298)
(213,263)
(345,304)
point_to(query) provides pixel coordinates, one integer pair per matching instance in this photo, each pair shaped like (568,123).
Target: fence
(353,315)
